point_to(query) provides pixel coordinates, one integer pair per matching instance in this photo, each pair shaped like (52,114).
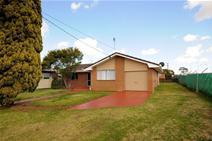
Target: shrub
(58,83)
(20,46)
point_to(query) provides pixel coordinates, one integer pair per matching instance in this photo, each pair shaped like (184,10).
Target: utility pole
(114,43)
(167,65)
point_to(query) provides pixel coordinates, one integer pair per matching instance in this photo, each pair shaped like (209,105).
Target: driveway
(118,99)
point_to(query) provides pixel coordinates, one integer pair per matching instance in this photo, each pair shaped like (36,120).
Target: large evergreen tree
(20,47)
(64,61)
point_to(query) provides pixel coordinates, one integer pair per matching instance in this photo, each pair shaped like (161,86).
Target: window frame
(105,76)
(74,76)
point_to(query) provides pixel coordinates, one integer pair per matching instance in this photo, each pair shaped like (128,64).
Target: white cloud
(75,5)
(205,8)
(205,37)
(191,55)
(87,5)
(193,37)
(150,51)
(63,45)
(203,60)
(91,5)
(88,47)
(190,4)
(44,28)
(190,38)
(196,58)
(194,51)
(209,49)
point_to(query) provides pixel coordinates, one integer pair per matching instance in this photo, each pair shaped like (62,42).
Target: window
(106,75)
(46,75)
(74,76)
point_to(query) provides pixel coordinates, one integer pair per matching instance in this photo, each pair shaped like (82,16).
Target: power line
(73,36)
(101,42)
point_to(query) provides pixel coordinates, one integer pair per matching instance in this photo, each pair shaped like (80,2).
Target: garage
(120,72)
(136,81)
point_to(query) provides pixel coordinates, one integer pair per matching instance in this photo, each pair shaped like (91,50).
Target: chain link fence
(197,82)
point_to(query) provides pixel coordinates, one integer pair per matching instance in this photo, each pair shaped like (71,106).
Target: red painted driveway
(118,99)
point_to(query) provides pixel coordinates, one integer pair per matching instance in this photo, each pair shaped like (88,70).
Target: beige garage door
(136,81)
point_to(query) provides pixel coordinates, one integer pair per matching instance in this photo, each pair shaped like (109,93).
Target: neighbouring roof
(48,71)
(81,67)
(150,64)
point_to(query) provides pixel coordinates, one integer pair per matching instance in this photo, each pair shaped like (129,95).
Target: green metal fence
(197,82)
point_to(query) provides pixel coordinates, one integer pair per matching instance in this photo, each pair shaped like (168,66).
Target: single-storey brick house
(119,72)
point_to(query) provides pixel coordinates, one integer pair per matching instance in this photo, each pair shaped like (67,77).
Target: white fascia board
(159,69)
(152,65)
(83,70)
(88,69)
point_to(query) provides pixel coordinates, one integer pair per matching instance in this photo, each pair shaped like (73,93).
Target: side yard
(172,113)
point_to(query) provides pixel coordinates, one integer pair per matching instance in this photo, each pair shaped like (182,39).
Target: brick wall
(110,85)
(80,83)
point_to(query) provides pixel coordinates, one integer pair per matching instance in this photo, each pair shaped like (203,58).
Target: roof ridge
(134,58)
(123,55)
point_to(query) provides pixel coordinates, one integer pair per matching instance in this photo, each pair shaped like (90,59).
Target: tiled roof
(81,67)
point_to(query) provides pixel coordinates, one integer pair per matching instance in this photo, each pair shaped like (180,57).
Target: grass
(173,113)
(71,99)
(40,93)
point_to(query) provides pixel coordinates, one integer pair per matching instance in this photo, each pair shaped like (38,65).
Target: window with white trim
(106,75)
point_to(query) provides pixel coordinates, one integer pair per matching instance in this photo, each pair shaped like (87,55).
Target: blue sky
(175,32)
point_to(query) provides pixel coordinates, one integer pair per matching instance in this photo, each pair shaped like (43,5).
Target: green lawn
(40,93)
(172,113)
(71,99)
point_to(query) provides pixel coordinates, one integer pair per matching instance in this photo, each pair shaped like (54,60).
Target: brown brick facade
(80,83)
(153,80)
(110,85)
(150,79)
(119,83)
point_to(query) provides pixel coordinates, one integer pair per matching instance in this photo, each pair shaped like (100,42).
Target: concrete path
(118,99)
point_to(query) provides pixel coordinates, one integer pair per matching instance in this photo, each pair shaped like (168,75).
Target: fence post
(197,83)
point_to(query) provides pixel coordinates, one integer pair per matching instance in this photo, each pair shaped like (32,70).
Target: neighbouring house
(80,78)
(117,72)
(47,78)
